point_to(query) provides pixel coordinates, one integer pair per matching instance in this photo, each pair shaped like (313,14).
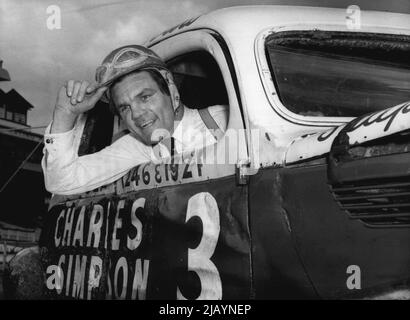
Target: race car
(307,195)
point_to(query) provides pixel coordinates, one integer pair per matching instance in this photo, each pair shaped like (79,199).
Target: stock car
(307,196)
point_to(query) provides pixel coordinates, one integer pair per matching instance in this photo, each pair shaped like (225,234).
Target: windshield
(339,74)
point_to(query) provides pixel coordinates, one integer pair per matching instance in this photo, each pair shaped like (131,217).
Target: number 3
(204,206)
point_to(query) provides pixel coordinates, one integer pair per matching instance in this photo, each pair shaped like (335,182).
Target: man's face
(143,106)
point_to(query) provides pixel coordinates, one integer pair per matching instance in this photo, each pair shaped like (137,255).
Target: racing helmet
(127,59)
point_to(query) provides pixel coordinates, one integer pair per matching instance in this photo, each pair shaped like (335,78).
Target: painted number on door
(203,205)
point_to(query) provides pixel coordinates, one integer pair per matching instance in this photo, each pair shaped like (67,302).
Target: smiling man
(140,89)
(144,104)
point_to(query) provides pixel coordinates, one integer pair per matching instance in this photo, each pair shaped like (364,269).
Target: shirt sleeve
(66,173)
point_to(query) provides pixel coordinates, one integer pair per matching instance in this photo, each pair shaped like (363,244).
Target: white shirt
(66,173)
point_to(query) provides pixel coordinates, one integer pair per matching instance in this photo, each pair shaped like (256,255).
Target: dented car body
(311,198)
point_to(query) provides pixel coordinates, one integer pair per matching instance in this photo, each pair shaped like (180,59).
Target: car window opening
(199,80)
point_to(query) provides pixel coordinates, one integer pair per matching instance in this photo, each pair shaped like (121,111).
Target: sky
(40,60)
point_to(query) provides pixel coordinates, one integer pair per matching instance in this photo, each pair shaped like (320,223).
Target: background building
(23,198)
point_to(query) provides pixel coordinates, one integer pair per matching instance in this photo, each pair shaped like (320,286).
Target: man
(141,90)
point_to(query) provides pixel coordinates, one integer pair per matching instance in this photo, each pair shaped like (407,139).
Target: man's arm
(64,171)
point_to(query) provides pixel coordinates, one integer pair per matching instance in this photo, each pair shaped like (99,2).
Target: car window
(339,74)
(199,80)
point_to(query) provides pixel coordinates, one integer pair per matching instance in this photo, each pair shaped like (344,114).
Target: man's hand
(74,98)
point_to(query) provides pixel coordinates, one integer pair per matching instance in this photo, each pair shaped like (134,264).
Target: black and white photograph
(233,150)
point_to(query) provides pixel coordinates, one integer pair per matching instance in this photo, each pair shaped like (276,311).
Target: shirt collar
(160,151)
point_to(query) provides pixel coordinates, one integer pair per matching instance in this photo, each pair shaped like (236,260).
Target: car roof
(249,20)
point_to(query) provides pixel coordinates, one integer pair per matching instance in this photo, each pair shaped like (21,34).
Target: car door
(209,199)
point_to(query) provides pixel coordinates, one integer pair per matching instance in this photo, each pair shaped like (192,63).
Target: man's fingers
(70,87)
(98,94)
(91,88)
(76,89)
(81,92)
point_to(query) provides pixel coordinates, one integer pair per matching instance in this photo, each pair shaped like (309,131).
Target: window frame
(22,116)
(269,86)
(9,113)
